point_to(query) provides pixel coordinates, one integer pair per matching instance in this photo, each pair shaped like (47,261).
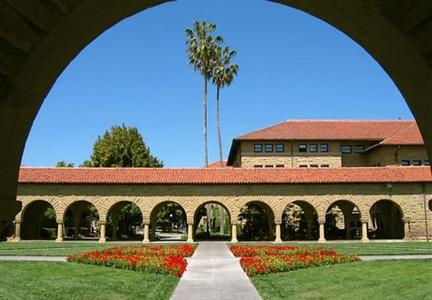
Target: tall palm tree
(202,49)
(224,74)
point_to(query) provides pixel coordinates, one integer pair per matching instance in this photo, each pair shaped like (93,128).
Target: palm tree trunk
(205,122)
(219,126)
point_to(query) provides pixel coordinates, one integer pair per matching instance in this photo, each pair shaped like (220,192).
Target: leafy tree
(224,74)
(63,164)
(122,146)
(202,54)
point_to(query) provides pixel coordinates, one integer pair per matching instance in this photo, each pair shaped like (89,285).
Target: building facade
(341,179)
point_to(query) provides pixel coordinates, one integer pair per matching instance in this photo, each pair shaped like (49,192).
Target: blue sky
(292,66)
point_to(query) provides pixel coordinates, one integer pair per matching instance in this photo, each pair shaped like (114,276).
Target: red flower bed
(149,259)
(270,259)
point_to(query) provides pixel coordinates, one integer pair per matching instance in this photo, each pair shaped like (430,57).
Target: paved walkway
(214,273)
(34,258)
(394,257)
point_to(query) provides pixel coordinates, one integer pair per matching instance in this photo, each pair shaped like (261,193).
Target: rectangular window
(426,162)
(313,148)
(324,148)
(405,162)
(302,148)
(314,166)
(346,149)
(325,166)
(280,166)
(258,166)
(269,166)
(359,148)
(268,148)
(303,166)
(258,148)
(280,148)
(416,162)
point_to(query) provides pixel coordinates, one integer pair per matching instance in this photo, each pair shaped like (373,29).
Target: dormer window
(346,149)
(258,148)
(324,148)
(268,148)
(302,148)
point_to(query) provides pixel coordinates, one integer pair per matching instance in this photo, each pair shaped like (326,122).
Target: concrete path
(214,273)
(394,257)
(34,258)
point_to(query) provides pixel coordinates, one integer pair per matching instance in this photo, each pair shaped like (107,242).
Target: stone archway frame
(299,201)
(375,27)
(270,205)
(360,209)
(224,206)
(27,203)
(404,210)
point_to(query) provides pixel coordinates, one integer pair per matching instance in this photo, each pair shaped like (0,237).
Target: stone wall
(410,198)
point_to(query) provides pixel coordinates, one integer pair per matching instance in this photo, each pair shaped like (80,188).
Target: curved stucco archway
(40,38)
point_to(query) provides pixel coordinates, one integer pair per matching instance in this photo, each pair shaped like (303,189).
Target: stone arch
(347,215)
(227,227)
(305,223)
(114,221)
(396,36)
(387,220)
(156,209)
(34,223)
(76,208)
(259,213)
(53,203)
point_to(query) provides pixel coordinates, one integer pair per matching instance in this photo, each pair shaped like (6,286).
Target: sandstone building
(339,179)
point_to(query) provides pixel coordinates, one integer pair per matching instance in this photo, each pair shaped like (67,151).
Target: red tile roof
(223,175)
(408,136)
(218,164)
(335,130)
(392,132)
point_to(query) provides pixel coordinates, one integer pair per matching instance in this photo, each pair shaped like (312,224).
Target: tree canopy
(63,164)
(122,146)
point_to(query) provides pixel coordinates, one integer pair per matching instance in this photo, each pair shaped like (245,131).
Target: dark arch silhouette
(299,221)
(386,216)
(38,221)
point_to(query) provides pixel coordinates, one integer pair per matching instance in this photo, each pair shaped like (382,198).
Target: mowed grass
(51,248)
(40,280)
(371,248)
(359,280)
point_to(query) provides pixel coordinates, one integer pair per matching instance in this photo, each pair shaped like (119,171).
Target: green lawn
(51,248)
(37,280)
(371,248)
(359,280)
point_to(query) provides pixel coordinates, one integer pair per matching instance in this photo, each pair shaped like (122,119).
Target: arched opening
(256,222)
(390,45)
(386,218)
(299,221)
(168,222)
(39,221)
(343,221)
(212,222)
(81,221)
(125,222)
